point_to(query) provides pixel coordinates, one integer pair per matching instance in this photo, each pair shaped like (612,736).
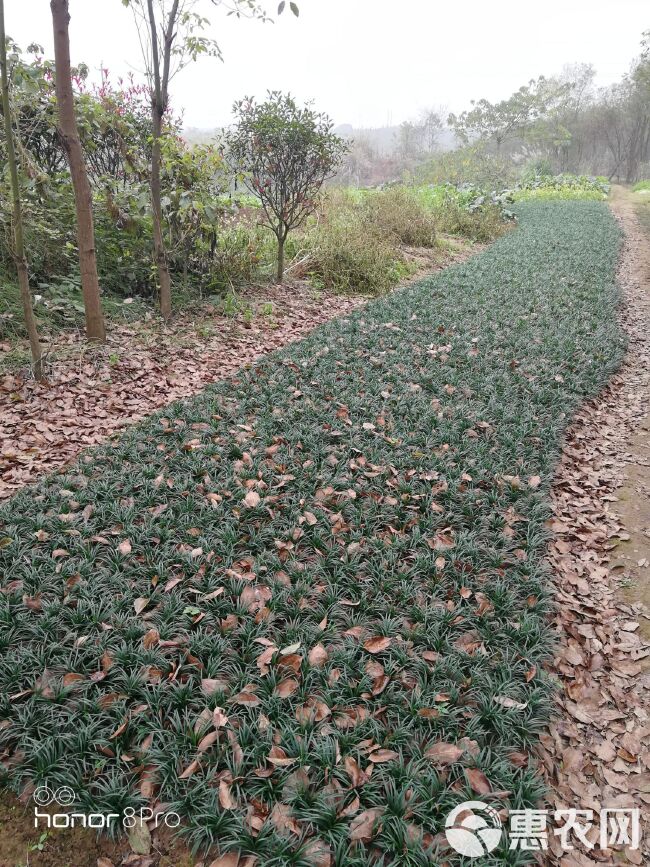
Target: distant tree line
(569,123)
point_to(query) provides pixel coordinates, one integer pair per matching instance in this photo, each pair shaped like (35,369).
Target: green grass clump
(398,213)
(250,548)
(349,251)
(641,187)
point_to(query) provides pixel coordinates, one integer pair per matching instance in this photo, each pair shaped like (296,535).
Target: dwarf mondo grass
(308,608)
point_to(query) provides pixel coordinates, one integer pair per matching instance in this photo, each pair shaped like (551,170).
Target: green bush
(467,210)
(348,252)
(642,187)
(398,213)
(482,226)
(472,164)
(242,252)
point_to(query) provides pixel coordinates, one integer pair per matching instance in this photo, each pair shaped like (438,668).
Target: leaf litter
(597,751)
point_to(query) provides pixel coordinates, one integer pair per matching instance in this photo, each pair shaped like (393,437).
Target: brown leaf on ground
(377,644)
(478,781)
(596,752)
(366,825)
(230,859)
(89,396)
(443,753)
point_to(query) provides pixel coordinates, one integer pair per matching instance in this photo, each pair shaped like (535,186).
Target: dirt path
(597,754)
(631,557)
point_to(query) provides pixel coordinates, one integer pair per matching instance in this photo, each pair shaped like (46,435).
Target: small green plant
(230,305)
(113,359)
(39,845)
(205,331)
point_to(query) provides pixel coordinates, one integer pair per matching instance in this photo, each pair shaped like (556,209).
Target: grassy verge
(342,549)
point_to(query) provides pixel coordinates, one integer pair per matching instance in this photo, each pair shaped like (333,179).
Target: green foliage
(641,187)
(390,452)
(519,114)
(399,213)
(473,164)
(482,225)
(350,253)
(284,154)
(535,186)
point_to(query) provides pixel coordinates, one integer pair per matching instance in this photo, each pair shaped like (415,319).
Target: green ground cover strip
(342,549)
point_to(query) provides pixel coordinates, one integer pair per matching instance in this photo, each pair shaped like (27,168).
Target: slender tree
(171,36)
(19,244)
(82,193)
(159,103)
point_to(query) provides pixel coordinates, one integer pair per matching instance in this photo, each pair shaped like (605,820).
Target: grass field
(342,550)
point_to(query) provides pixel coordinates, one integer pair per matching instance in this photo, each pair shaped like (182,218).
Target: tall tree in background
(82,194)
(171,35)
(19,244)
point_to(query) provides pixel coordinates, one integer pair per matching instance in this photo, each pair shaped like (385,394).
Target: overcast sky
(365,62)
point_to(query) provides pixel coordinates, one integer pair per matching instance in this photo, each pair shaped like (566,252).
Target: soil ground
(596,753)
(631,557)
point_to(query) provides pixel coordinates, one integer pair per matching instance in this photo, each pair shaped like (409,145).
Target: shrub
(399,213)
(483,226)
(467,210)
(642,187)
(285,154)
(241,251)
(348,252)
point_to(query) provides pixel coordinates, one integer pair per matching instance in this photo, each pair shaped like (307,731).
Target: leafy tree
(431,125)
(285,153)
(502,121)
(172,34)
(82,193)
(19,245)
(410,140)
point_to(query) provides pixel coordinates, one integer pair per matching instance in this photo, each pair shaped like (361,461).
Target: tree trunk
(159,243)
(19,244)
(281,240)
(82,194)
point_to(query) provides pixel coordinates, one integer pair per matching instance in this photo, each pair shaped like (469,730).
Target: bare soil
(23,845)
(631,557)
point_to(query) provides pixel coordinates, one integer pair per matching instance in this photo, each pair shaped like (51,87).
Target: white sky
(365,62)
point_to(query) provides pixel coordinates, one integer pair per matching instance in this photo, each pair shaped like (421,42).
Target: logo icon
(473,828)
(43,796)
